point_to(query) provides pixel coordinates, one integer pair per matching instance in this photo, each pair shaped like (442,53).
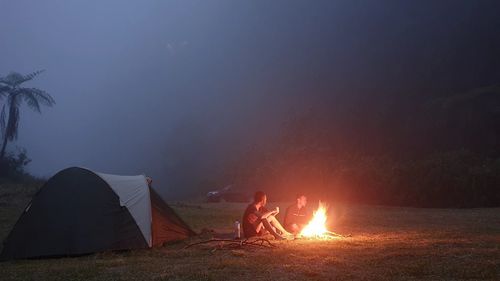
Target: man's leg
(259,227)
(267,225)
(274,222)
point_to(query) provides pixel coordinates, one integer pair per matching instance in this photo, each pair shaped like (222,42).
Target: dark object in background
(227,194)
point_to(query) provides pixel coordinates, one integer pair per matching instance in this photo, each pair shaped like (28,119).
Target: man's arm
(288,216)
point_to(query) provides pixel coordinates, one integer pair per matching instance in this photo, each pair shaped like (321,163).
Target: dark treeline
(418,125)
(430,152)
(399,107)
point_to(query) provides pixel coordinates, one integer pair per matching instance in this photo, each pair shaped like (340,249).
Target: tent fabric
(133,193)
(78,211)
(165,229)
(72,217)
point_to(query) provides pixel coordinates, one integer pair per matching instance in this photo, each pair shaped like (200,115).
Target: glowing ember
(316,228)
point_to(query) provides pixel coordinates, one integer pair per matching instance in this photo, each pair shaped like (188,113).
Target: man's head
(301,200)
(260,197)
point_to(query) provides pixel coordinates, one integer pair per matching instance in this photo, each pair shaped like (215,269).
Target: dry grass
(387,244)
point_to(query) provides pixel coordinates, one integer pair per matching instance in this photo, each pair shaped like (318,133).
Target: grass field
(387,244)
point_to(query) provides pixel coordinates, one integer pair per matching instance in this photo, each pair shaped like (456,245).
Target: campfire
(316,228)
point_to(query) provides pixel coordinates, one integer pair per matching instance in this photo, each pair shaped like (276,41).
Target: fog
(178,90)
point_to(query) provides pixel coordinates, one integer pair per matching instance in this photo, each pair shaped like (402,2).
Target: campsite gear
(237,230)
(79,211)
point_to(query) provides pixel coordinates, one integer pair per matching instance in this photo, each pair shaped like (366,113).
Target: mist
(180,90)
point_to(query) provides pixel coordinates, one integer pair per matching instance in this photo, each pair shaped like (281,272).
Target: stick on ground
(261,242)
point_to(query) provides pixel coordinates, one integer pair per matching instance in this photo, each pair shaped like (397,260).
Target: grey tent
(79,211)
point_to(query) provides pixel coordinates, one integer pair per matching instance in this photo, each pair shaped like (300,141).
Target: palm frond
(14,79)
(35,97)
(33,74)
(4,89)
(32,102)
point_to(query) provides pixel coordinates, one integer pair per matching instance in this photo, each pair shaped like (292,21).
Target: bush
(451,179)
(12,167)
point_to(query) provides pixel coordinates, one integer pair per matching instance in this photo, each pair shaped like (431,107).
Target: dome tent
(79,211)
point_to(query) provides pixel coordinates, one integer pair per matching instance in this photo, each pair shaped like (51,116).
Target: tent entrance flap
(133,192)
(167,225)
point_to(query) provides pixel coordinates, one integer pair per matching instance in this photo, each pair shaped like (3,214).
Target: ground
(387,243)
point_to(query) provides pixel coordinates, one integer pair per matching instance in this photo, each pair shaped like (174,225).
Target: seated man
(297,215)
(257,219)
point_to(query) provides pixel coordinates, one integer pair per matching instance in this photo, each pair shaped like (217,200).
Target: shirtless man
(257,219)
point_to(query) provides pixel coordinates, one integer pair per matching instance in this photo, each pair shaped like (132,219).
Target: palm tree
(15,94)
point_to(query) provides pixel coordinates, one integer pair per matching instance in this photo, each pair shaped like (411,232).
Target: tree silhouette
(14,94)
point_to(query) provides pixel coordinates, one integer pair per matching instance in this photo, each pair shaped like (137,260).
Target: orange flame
(316,228)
